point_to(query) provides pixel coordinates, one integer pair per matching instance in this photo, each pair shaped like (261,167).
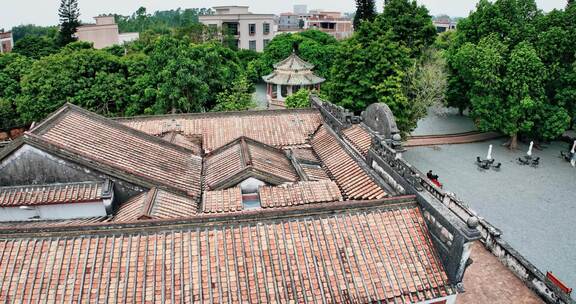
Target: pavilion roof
(293,71)
(287,78)
(293,63)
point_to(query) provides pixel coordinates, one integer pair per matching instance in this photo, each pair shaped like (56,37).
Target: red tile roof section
(275,128)
(156,204)
(105,141)
(242,158)
(352,179)
(221,201)
(299,194)
(184,141)
(314,172)
(50,194)
(131,209)
(359,137)
(352,257)
(305,155)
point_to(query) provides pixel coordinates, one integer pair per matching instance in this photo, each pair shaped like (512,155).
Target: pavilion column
(289,91)
(279,92)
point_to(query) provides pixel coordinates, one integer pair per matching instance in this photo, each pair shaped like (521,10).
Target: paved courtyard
(534,207)
(444,121)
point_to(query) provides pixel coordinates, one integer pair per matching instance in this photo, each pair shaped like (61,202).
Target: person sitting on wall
(433,178)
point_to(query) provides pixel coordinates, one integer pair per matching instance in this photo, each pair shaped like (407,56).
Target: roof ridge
(53,185)
(218,114)
(148,204)
(210,219)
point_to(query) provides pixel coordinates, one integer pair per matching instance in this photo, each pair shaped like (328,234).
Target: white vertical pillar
(279,92)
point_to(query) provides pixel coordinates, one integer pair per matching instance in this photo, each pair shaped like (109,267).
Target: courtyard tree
(367,71)
(69,14)
(539,54)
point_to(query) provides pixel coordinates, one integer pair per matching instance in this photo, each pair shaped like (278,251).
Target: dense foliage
(141,21)
(513,67)
(21,31)
(300,99)
(236,98)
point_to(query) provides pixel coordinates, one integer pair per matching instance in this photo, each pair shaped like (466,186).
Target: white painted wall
(250,185)
(53,212)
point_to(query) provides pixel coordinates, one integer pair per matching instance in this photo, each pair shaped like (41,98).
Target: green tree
(368,70)
(93,79)
(365,11)
(68,13)
(427,83)
(236,98)
(35,46)
(300,99)
(21,31)
(411,25)
(12,68)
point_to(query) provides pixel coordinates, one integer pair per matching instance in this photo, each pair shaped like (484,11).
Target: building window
(252,29)
(266,41)
(250,201)
(266,28)
(252,45)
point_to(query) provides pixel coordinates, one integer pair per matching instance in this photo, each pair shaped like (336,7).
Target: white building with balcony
(250,31)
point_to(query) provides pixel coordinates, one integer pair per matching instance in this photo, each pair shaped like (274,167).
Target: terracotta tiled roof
(275,128)
(184,141)
(352,179)
(352,257)
(220,201)
(33,195)
(314,172)
(243,158)
(299,194)
(305,155)
(359,137)
(108,143)
(156,204)
(132,209)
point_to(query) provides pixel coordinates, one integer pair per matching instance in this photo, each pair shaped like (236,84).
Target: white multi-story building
(250,31)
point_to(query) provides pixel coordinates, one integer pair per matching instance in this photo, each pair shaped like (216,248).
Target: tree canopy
(508,55)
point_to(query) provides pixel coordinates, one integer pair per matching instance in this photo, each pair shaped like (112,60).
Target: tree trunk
(461,111)
(513,142)
(173,110)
